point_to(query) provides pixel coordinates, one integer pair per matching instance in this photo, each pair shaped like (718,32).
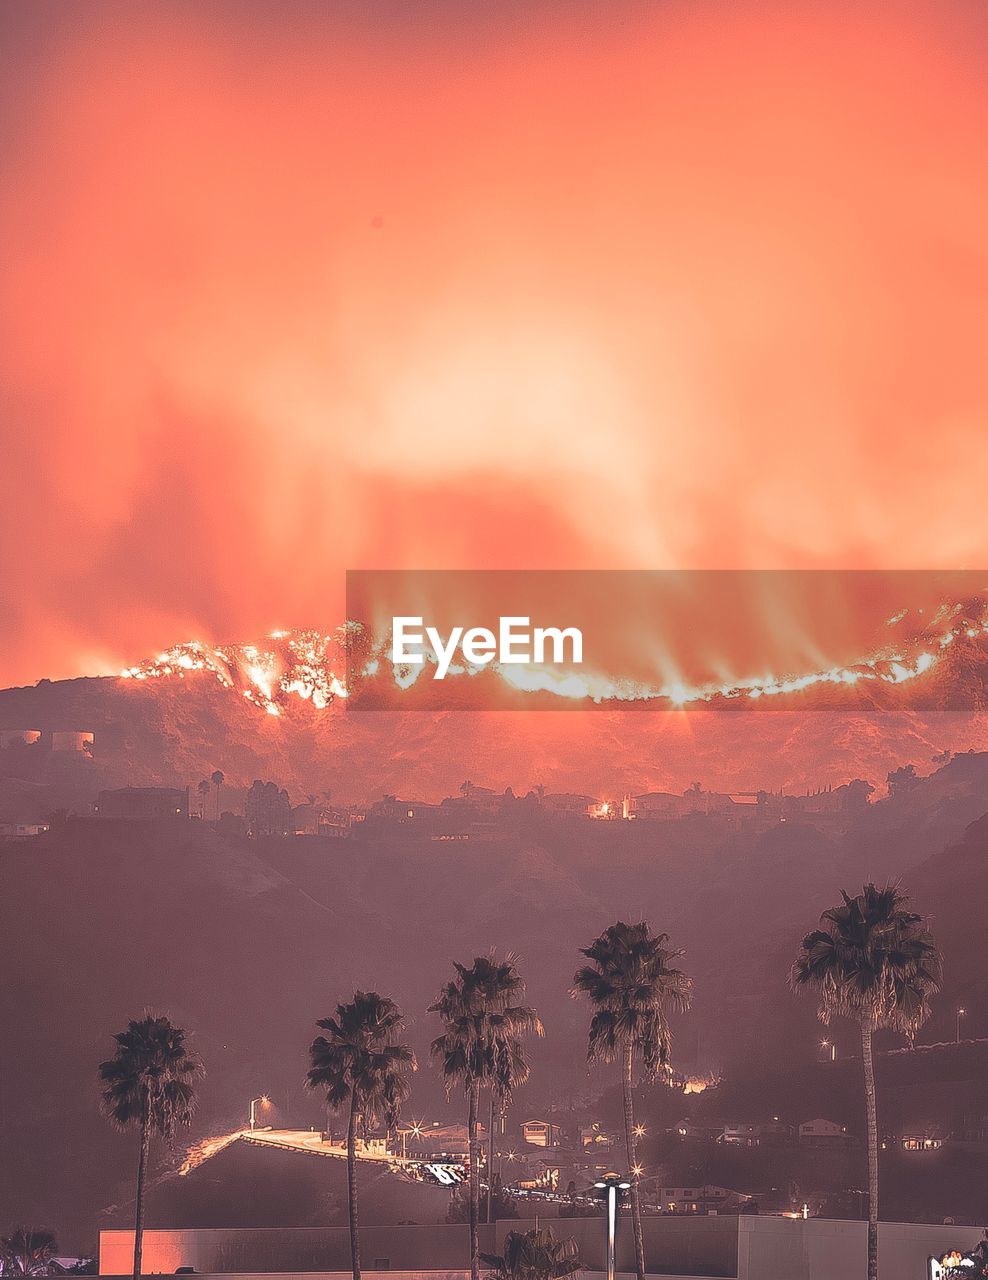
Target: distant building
(568,802)
(593,1136)
(22,830)
(823,1133)
(541,1133)
(741,1135)
(691,1132)
(391,809)
(323,820)
(929,1138)
(653,804)
(694,1199)
(441,1140)
(143,804)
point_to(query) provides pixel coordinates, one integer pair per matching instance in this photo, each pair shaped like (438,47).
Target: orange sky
(292,288)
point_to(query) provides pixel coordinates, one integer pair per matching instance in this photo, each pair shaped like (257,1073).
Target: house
(442,1140)
(407,812)
(541,1133)
(593,1136)
(694,1199)
(926,1138)
(567,802)
(22,830)
(823,1133)
(741,1135)
(321,820)
(143,804)
(691,1132)
(652,805)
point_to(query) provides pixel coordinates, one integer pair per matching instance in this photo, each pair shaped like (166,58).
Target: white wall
(820,1249)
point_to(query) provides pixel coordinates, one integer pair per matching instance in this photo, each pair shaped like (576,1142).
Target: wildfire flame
(306,665)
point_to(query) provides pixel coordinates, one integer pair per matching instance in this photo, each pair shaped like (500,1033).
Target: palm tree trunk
(489,1216)
(872,1109)
(629,1137)
(141,1174)
(474,1183)
(351,1186)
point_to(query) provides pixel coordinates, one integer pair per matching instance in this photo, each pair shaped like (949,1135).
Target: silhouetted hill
(174,731)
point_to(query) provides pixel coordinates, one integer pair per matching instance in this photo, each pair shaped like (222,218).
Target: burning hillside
(939,657)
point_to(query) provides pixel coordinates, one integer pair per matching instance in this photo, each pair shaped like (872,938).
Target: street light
(416,1130)
(264,1100)
(826,1044)
(611,1187)
(961,1013)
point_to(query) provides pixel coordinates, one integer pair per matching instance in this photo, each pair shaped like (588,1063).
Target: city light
(639,1131)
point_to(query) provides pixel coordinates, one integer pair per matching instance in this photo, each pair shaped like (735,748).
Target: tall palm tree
(510,1067)
(218,777)
(28,1251)
(534,1255)
(631,985)
(150,1082)
(876,962)
(479,1048)
(361,1064)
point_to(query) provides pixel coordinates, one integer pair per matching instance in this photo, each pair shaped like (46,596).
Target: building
(928,1138)
(823,1133)
(704,1199)
(541,1133)
(736,1134)
(143,804)
(652,805)
(323,820)
(593,1137)
(22,830)
(441,1140)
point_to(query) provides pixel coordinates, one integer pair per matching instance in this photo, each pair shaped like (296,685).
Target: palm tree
(876,962)
(150,1082)
(630,985)
(480,1048)
(510,1066)
(534,1255)
(218,778)
(203,790)
(359,1062)
(28,1251)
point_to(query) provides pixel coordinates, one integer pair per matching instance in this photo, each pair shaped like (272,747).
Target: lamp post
(611,1188)
(264,1100)
(827,1044)
(957,1026)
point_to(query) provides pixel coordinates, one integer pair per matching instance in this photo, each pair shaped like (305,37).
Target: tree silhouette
(874,961)
(149,1082)
(631,985)
(360,1063)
